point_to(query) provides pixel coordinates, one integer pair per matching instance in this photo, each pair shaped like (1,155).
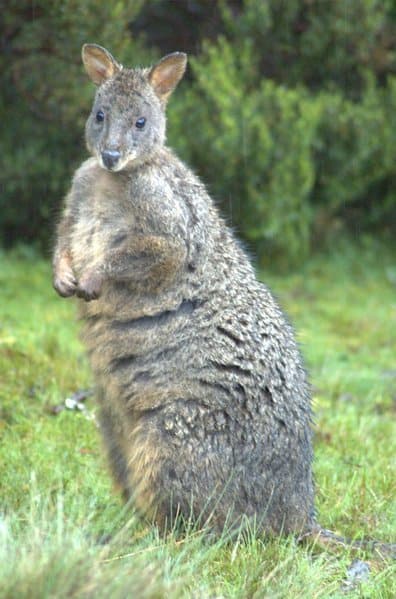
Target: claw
(65,287)
(89,287)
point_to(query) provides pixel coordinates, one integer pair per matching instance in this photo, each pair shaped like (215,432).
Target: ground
(63,529)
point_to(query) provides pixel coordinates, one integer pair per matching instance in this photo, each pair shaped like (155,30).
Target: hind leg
(177,468)
(113,437)
(186,459)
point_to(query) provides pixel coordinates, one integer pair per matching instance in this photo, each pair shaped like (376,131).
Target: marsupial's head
(127,122)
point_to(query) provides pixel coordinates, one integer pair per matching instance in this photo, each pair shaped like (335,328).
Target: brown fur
(204,404)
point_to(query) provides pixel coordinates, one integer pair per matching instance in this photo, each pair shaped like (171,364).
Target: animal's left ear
(166,74)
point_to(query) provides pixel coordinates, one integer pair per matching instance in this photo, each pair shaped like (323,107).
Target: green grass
(56,501)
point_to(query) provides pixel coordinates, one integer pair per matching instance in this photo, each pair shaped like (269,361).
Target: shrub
(288,115)
(293,140)
(46,97)
(254,146)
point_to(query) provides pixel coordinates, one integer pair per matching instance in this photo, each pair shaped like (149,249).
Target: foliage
(63,530)
(260,140)
(290,118)
(329,44)
(47,97)
(288,113)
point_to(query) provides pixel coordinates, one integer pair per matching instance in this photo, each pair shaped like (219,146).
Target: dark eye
(100,116)
(140,123)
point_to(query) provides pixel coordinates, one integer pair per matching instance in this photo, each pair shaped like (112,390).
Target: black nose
(110,157)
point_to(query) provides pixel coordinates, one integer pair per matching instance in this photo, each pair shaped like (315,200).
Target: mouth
(111,169)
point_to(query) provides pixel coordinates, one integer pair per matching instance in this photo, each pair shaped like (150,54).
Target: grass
(57,506)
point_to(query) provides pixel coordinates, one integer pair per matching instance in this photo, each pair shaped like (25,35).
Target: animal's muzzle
(110,158)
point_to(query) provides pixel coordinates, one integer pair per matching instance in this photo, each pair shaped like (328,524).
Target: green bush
(46,96)
(356,150)
(254,146)
(293,153)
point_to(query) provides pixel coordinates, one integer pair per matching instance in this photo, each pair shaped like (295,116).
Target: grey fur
(205,407)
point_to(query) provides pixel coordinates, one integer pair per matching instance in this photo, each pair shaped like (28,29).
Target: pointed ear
(99,63)
(166,74)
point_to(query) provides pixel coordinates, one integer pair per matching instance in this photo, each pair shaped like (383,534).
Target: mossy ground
(56,500)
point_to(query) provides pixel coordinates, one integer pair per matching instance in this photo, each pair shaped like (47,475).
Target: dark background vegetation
(288,111)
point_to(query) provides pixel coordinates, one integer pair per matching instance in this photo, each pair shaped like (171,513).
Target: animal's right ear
(99,63)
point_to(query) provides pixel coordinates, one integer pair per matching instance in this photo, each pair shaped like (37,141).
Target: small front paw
(89,287)
(65,284)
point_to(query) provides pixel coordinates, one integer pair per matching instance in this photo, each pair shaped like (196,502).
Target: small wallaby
(204,404)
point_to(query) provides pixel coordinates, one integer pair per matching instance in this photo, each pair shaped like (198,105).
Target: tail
(328,539)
